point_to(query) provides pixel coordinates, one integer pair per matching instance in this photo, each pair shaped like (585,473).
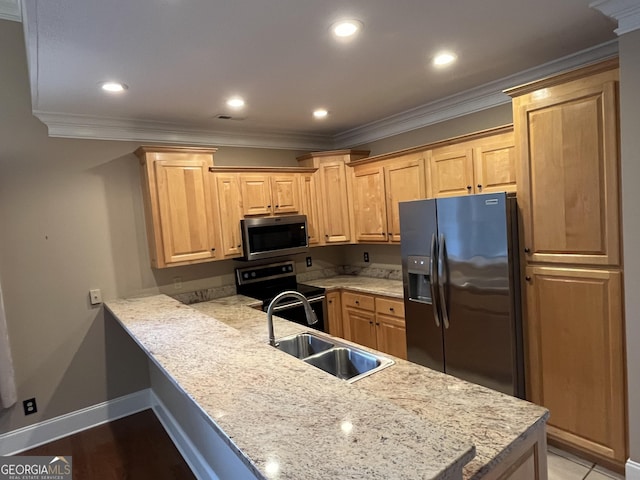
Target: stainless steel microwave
(268,237)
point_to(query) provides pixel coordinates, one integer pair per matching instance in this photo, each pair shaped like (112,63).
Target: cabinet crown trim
(332,153)
(249,169)
(160,149)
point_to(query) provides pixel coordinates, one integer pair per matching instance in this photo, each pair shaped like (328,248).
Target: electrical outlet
(29,406)
(177,283)
(95,296)
(366,257)
(309,262)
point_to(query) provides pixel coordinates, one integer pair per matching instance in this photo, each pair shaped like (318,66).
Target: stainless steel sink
(339,359)
(303,345)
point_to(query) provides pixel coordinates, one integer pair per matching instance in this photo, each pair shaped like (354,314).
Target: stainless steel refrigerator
(461,288)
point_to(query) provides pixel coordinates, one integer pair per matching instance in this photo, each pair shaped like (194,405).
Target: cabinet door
(230,213)
(404,180)
(391,335)
(285,193)
(256,194)
(335,202)
(361,326)
(575,351)
(309,207)
(494,164)
(369,206)
(568,155)
(185,211)
(451,171)
(334,314)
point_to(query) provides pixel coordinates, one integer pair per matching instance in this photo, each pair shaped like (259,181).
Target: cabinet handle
(527,250)
(391,308)
(213,249)
(268,206)
(326,236)
(527,278)
(469,187)
(377,324)
(479,187)
(330,301)
(239,245)
(370,323)
(357,302)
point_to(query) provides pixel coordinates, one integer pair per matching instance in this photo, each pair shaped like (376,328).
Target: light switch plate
(95,296)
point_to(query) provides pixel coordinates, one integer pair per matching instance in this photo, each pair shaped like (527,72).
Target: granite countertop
(277,410)
(376,286)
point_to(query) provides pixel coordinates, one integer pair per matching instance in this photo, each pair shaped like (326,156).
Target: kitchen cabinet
(178,208)
(227,194)
(576,356)
(270,194)
(378,187)
(568,187)
(375,322)
(478,163)
(568,196)
(309,207)
(334,314)
(335,191)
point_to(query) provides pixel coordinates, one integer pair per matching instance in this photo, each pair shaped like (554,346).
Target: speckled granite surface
(376,286)
(276,409)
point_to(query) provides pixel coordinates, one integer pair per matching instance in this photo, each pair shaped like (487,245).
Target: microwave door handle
(441,282)
(433,279)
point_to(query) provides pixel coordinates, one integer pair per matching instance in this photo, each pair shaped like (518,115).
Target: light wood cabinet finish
(309,207)
(334,314)
(482,165)
(378,187)
(576,356)
(269,194)
(568,187)
(374,321)
(227,193)
(178,206)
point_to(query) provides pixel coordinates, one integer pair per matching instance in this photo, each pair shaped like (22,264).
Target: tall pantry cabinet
(566,130)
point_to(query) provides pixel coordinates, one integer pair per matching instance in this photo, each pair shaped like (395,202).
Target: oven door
(294,312)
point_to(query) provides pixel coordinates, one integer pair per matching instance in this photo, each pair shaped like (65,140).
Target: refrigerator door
(424,333)
(476,290)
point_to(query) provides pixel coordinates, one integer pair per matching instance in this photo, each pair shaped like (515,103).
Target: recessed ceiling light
(320,113)
(114,87)
(444,58)
(346,28)
(235,102)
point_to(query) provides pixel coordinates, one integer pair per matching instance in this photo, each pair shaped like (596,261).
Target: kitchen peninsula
(286,419)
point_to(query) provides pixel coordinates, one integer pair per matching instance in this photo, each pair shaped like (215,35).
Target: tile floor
(564,466)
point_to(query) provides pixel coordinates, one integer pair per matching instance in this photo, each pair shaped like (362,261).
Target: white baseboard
(632,470)
(181,440)
(17,441)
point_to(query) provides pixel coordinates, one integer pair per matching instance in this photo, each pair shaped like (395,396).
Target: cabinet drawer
(358,300)
(388,306)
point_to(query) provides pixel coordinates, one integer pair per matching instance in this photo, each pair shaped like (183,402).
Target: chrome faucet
(308,311)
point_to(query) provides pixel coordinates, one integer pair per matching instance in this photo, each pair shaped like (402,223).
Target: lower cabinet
(375,322)
(334,314)
(576,364)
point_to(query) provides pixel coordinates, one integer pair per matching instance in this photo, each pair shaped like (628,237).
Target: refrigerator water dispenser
(419,279)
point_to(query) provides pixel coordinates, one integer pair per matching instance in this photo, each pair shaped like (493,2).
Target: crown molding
(476,99)
(11,10)
(470,101)
(103,128)
(626,12)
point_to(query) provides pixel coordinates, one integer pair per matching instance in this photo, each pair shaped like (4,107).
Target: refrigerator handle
(441,278)
(433,278)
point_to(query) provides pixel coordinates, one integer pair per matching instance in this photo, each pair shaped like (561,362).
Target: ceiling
(182,59)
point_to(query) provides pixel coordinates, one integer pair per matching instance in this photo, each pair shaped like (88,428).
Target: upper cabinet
(334,191)
(378,186)
(270,193)
(309,205)
(567,133)
(228,200)
(178,207)
(478,163)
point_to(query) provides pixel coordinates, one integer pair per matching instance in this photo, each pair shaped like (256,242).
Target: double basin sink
(339,359)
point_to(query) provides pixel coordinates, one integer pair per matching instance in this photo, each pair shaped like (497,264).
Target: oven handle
(287,306)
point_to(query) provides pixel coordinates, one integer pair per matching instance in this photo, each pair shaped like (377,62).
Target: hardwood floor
(135,447)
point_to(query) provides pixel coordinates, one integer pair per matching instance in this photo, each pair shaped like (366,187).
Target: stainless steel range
(266,281)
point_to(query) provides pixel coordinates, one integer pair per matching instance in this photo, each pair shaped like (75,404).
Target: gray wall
(629,45)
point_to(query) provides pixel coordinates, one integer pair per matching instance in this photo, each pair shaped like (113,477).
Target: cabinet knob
(326,236)
(391,308)
(213,249)
(527,250)
(527,278)
(239,245)
(377,324)
(268,206)
(469,187)
(479,186)
(357,302)
(370,323)
(330,301)
(277,206)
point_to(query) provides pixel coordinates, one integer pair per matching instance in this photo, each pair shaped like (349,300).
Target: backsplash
(213,293)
